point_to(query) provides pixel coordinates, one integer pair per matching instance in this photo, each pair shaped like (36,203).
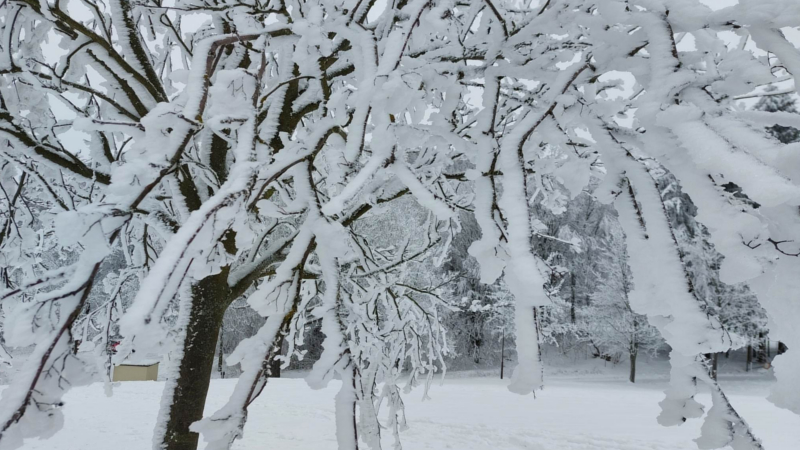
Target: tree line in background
(591,316)
(591,281)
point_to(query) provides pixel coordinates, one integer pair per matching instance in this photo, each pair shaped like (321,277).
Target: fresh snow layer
(465,414)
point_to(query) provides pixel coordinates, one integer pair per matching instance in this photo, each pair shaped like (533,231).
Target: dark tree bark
(503,355)
(761,355)
(714,361)
(749,357)
(711,360)
(220,362)
(634,354)
(275,364)
(211,299)
(572,299)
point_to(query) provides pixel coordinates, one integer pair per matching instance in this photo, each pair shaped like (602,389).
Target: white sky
(719,4)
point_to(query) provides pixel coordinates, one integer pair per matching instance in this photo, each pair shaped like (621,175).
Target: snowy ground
(575,412)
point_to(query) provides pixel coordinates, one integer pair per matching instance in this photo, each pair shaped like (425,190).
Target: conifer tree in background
(481,311)
(771,102)
(735,306)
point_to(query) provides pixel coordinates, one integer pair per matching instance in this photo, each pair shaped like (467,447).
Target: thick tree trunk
(572,299)
(634,353)
(761,351)
(345,412)
(275,364)
(749,357)
(714,360)
(711,360)
(211,299)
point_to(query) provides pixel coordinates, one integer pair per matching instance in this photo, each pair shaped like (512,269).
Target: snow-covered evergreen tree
(735,306)
(777,102)
(482,312)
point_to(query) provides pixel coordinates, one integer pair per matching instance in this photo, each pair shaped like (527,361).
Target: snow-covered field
(572,413)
